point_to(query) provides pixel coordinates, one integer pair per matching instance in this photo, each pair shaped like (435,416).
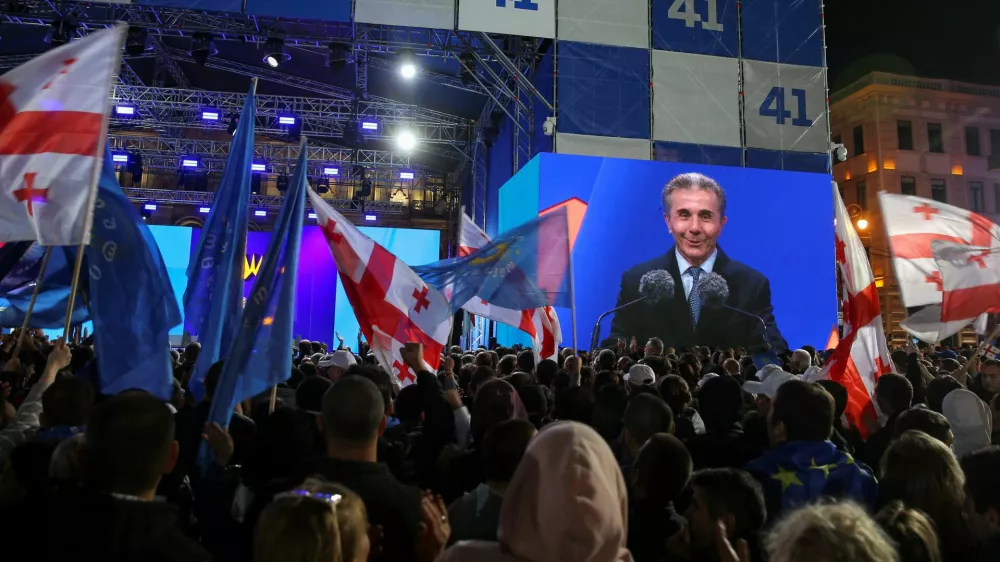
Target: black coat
(671,321)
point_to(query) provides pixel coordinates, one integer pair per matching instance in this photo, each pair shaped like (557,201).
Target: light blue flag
(213,300)
(261,354)
(524,268)
(131,301)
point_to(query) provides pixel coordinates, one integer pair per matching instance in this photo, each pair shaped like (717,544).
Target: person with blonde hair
(316,522)
(829,533)
(924,474)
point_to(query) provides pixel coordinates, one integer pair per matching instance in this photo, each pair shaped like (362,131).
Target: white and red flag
(970,280)
(542,323)
(862,355)
(393,305)
(53,122)
(912,225)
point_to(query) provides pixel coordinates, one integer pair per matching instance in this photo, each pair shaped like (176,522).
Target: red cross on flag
(912,225)
(862,354)
(970,279)
(53,119)
(393,304)
(542,324)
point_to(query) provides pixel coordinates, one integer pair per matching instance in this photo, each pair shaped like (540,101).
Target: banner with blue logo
(531,18)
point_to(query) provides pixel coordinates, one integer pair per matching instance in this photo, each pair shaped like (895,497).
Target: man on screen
(694,207)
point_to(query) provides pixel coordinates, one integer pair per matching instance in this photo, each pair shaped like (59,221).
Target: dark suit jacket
(671,321)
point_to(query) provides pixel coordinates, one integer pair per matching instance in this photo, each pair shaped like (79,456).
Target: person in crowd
(353,417)
(801,361)
(722,495)
(546,372)
(804,466)
(661,472)
(987,384)
(654,348)
(923,473)
(970,419)
(566,502)
(921,418)
(894,395)
(677,395)
(476,515)
(723,445)
(829,533)
(610,404)
(316,521)
(334,365)
(645,416)
(982,501)
(506,365)
(770,378)
(938,388)
(535,404)
(639,375)
(526,361)
(911,531)
(847,439)
(66,465)
(21,425)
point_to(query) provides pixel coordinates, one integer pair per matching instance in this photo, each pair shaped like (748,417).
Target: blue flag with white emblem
(131,301)
(213,300)
(524,268)
(261,354)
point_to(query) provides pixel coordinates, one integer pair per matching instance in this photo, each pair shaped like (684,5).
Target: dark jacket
(391,504)
(649,527)
(722,449)
(81,526)
(879,441)
(671,321)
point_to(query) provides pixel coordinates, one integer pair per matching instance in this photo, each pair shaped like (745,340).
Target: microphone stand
(597,327)
(767,336)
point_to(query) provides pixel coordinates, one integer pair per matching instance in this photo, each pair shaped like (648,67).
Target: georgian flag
(970,280)
(392,303)
(542,323)
(862,354)
(913,224)
(53,118)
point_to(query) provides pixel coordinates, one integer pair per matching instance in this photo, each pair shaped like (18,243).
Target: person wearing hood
(723,445)
(971,421)
(804,465)
(566,503)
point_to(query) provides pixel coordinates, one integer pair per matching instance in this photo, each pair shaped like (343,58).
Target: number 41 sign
(784,107)
(686,11)
(702,27)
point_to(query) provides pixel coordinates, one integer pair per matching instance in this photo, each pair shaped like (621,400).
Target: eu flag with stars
(213,299)
(796,473)
(261,354)
(131,300)
(524,268)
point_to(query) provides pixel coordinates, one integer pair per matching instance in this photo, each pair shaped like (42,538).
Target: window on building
(859,140)
(939,191)
(904,132)
(994,141)
(935,142)
(863,195)
(972,147)
(996,197)
(976,196)
(908,185)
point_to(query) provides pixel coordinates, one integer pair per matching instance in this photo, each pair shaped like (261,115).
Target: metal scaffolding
(204,198)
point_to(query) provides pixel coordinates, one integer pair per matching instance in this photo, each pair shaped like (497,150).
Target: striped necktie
(694,299)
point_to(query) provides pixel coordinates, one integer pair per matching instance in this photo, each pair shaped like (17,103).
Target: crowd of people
(646,454)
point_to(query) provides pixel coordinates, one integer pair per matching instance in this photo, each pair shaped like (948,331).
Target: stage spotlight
(135,43)
(119,158)
(189,162)
(468,71)
(339,55)
(312,215)
(202,47)
(210,114)
(322,186)
(407,64)
(366,189)
(204,210)
(282,183)
(151,207)
(124,110)
(62,30)
(231,129)
(406,175)
(260,213)
(331,171)
(371,218)
(406,140)
(275,54)
(369,125)
(862,224)
(258,167)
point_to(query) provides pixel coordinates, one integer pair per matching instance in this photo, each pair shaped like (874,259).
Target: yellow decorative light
(956,169)
(872,166)
(889,164)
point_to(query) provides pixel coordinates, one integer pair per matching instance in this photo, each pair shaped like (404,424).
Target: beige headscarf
(566,503)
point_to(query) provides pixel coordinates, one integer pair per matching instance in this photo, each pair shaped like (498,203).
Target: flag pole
(993,335)
(88,220)
(34,294)
(572,302)
(274,400)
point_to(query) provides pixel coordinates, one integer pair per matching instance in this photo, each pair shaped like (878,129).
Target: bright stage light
(260,213)
(255,167)
(312,215)
(286,120)
(371,218)
(408,70)
(862,224)
(369,125)
(149,207)
(210,114)
(119,158)
(125,110)
(189,163)
(330,171)
(204,210)
(406,140)
(406,175)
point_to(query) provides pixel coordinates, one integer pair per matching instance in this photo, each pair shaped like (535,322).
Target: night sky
(954,39)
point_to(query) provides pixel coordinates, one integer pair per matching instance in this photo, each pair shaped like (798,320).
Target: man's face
(651,349)
(991,378)
(700,521)
(696,223)
(982,525)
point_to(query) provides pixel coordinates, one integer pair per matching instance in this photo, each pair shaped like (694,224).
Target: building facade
(924,137)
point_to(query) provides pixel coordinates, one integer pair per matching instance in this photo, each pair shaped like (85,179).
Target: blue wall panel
(603,91)
(788,160)
(329,10)
(664,151)
(701,27)
(212,5)
(786,31)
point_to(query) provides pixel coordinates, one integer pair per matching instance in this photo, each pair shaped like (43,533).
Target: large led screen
(773,244)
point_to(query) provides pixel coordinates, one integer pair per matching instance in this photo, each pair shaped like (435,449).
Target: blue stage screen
(779,224)
(174,243)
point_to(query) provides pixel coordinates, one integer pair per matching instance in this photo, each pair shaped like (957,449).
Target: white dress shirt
(686,278)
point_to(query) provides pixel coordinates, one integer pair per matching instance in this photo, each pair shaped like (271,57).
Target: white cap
(706,378)
(340,358)
(769,386)
(640,374)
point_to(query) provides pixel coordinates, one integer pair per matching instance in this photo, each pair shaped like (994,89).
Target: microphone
(714,291)
(655,286)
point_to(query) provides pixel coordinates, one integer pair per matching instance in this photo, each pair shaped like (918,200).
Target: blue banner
(131,299)
(603,91)
(783,31)
(20,264)
(701,27)
(327,10)
(213,300)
